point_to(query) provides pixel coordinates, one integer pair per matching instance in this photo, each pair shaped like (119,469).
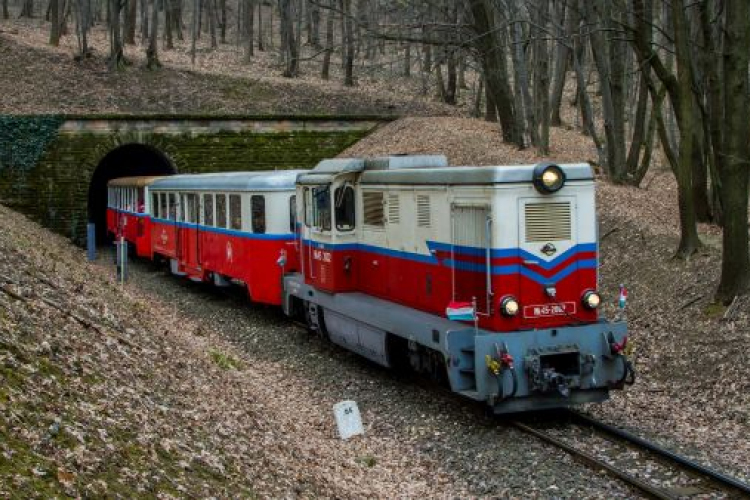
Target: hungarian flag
(461,311)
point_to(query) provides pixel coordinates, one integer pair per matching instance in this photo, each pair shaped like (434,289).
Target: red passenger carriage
(237,226)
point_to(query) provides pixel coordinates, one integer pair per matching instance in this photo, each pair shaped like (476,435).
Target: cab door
(470,255)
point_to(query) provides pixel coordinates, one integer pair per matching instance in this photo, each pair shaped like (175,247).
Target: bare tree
(249,29)
(54,32)
(152,52)
(492,55)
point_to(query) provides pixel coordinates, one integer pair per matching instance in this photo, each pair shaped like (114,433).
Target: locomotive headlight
(548,178)
(591,299)
(509,306)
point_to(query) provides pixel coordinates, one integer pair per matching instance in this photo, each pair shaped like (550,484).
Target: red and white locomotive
(484,276)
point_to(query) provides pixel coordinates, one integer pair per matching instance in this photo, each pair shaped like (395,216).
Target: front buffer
(538,369)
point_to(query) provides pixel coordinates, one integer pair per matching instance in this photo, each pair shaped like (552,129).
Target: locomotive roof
(430,169)
(278,180)
(501,174)
(326,170)
(135,181)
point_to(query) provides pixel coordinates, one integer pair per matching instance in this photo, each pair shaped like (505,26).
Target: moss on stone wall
(55,191)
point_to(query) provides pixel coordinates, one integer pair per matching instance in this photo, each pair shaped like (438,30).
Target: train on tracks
(482,277)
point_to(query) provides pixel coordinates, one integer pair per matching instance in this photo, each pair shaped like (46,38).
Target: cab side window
(344,208)
(293,213)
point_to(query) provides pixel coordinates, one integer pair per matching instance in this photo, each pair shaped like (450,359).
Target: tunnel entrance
(125,161)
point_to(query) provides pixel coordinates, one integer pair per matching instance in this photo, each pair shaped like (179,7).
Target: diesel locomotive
(483,277)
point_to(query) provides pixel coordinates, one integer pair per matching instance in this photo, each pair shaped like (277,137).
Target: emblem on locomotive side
(549,249)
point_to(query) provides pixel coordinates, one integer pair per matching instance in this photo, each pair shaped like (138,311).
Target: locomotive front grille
(548,222)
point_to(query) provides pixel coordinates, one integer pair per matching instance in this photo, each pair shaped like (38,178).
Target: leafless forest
(645,77)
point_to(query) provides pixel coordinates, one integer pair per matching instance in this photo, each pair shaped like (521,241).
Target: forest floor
(44,79)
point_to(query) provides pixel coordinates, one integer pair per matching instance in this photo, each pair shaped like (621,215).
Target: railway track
(645,466)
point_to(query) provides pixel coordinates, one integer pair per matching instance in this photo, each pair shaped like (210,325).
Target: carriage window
(208,209)
(344,208)
(235,212)
(258,204)
(221,210)
(141,207)
(293,213)
(154,205)
(190,208)
(172,206)
(163,205)
(322,207)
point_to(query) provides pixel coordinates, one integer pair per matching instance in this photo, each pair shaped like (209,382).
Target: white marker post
(348,419)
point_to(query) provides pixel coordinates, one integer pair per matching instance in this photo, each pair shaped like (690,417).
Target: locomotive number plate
(547,310)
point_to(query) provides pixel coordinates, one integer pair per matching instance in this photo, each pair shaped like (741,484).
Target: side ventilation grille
(547,222)
(394,216)
(373,209)
(424,218)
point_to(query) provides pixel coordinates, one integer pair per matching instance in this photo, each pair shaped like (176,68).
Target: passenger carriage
(128,212)
(229,226)
(391,246)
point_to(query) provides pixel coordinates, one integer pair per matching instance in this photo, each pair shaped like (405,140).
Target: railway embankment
(166,388)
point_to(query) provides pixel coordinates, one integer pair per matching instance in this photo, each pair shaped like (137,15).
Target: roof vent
(406,161)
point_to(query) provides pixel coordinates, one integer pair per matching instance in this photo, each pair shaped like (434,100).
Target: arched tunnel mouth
(128,160)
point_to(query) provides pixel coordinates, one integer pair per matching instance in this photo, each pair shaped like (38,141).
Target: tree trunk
(261,45)
(735,169)
(130,21)
(152,52)
(196,29)
(541,80)
(211,15)
(605,51)
(348,43)
(492,54)
(689,240)
(314,35)
(288,43)
(144,21)
(168,24)
(490,109)
(407,60)
(223,30)
(249,29)
(27,9)
(54,32)
(82,27)
(639,132)
(116,57)
(6,14)
(562,58)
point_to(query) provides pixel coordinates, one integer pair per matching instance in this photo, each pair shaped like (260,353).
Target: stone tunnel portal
(124,161)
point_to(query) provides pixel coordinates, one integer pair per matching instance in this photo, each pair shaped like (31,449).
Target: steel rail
(687,463)
(594,462)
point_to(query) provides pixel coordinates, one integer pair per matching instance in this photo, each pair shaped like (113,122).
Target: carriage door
(470,255)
